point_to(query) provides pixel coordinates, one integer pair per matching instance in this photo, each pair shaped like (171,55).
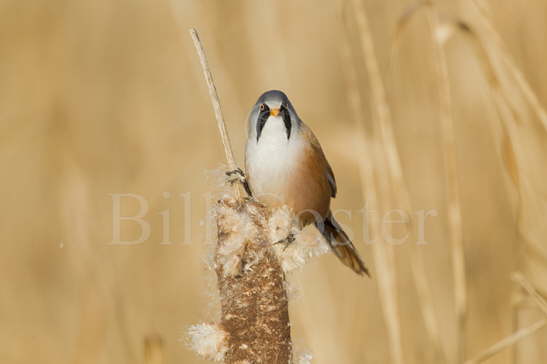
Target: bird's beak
(274,112)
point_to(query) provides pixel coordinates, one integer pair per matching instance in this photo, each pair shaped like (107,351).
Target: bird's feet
(237,175)
(289,239)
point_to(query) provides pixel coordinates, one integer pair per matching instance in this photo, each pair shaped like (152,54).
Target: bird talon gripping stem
(237,175)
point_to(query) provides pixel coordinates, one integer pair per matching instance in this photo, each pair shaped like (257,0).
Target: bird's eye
(262,107)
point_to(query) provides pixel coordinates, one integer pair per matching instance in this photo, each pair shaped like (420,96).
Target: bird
(285,165)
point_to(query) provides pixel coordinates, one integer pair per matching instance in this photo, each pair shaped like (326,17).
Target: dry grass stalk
(383,121)
(507,342)
(504,102)
(515,149)
(507,120)
(154,350)
(449,156)
(438,34)
(385,274)
(216,104)
(417,262)
(527,146)
(425,296)
(254,325)
(522,333)
(451,180)
(510,66)
(383,153)
(529,288)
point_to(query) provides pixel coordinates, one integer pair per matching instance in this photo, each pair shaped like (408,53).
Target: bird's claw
(237,175)
(288,240)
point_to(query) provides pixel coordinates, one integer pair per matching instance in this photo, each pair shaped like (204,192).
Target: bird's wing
(329,174)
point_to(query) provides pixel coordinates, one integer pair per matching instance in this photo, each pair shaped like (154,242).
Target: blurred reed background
(104,97)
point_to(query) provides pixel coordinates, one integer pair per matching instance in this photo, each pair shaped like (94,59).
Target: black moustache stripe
(262,118)
(286,120)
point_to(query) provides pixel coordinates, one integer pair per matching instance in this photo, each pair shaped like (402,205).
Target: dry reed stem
(450,162)
(379,97)
(538,299)
(401,26)
(383,253)
(517,74)
(504,102)
(529,288)
(520,334)
(154,350)
(451,180)
(425,297)
(417,263)
(216,104)
(504,98)
(366,172)
(507,342)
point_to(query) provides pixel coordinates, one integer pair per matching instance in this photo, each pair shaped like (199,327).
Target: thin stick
(507,342)
(451,180)
(529,288)
(216,104)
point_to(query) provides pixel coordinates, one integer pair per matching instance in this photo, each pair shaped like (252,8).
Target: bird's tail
(341,245)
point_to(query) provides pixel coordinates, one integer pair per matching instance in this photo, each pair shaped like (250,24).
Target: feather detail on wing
(329,174)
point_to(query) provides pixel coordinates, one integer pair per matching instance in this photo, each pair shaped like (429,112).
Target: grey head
(272,103)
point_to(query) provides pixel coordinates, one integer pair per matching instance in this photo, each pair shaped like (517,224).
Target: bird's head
(272,106)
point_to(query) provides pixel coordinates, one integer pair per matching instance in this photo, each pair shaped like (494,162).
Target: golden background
(101,97)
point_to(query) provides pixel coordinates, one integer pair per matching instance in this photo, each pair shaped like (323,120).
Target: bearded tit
(285,165)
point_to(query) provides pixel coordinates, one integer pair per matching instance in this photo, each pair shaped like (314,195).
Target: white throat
(272,158)
(274,133)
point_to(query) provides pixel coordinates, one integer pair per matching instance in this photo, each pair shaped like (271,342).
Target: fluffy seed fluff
(280,223)
(304,359)
(307,245)
(209,341)
(241,230)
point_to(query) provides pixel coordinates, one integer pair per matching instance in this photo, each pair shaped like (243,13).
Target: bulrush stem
(215,101)
(254,325)
(251,281)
